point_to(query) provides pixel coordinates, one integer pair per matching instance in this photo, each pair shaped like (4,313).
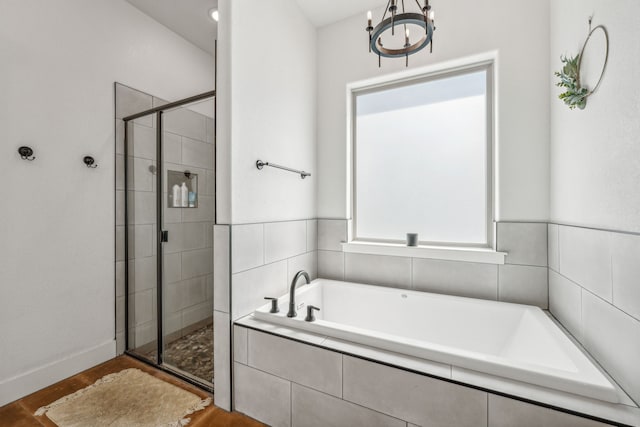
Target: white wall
(267,83)
(595,154)
(518,31)
(59,62)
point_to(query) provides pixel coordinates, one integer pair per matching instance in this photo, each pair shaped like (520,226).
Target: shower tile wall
(523,279)
(188,145)
(594,291)
(254,261)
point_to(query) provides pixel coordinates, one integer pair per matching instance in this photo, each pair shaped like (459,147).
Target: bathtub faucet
(292,292)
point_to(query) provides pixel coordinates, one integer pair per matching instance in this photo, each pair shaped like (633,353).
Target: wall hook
(26,153)
(90,162)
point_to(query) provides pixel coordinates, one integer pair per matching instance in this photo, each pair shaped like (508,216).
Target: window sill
(480,255)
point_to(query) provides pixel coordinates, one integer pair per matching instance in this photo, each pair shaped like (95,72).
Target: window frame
(415,77)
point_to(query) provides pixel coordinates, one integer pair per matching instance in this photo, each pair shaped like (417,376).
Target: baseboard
(26,383)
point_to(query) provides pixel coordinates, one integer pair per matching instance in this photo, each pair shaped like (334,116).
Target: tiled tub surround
(188,145)
(285,377)
(253,261)
(264,259)
(594,290)
(513,341)
(522,279)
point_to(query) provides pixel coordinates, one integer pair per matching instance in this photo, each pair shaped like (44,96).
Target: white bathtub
(513,341)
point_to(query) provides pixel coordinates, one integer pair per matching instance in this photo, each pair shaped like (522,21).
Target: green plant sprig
(575,95)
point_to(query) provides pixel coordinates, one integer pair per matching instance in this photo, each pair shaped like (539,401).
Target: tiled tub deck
(285,377)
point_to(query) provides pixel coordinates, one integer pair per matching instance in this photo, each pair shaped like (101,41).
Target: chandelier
(424,19)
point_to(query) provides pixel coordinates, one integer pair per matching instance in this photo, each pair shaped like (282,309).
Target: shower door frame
(161,237)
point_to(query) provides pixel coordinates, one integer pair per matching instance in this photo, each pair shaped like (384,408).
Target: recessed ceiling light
(213,13)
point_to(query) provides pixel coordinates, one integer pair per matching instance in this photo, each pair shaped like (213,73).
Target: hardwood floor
(20,413)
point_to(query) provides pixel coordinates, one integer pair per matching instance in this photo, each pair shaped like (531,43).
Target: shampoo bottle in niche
(184,195)
(177,202)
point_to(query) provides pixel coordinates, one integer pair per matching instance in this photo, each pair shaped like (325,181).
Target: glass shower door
(168,198)
(141,161)
(188,217)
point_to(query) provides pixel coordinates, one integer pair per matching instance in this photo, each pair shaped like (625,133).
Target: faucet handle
(310,317)
(274,304)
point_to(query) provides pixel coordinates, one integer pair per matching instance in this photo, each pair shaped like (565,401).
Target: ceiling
(324,12)
(188,18)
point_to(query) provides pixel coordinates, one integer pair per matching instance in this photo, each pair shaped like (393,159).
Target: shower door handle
(164,236)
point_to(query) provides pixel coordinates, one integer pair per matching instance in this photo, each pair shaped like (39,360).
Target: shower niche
(179,184)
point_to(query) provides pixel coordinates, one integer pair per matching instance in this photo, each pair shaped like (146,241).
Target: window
(422,159)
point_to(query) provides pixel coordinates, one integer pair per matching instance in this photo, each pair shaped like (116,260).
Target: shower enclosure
(169,211)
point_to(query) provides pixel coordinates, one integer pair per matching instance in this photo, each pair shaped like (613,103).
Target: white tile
(262,396)
(119,136)
(198,154)
(312,235)
(565,303)
(466,279)
(505,412)
(143,144)
(331,265)
(307,262)
(525,243)
(120,243)
(120,277)
(120,304)
(194,291)
(141,307)
(172,145)
(553,256)
(197,263)
(613,338)
(144,208)
(523,284)
(143,334)
(314,409)
(209,184)
(203,213)
(415,398)
(145,275)
(175,238)
(378,270)
(247,247)
(284,240)
(331,232)
(221,268)
(196,235)
(171,323)
(625,264)
(585,258)
(250,287)
(222,360)
(140,176)
(172,268)
(211,131)
(173,298)
(120,343)
(185,122)
(197,314)
(120,208)
(119,172)
(240,338)
(301,363)
(141,241)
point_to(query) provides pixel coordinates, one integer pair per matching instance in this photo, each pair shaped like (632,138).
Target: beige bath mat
(130,398)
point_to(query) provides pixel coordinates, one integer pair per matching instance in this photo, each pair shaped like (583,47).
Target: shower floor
(192,353)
